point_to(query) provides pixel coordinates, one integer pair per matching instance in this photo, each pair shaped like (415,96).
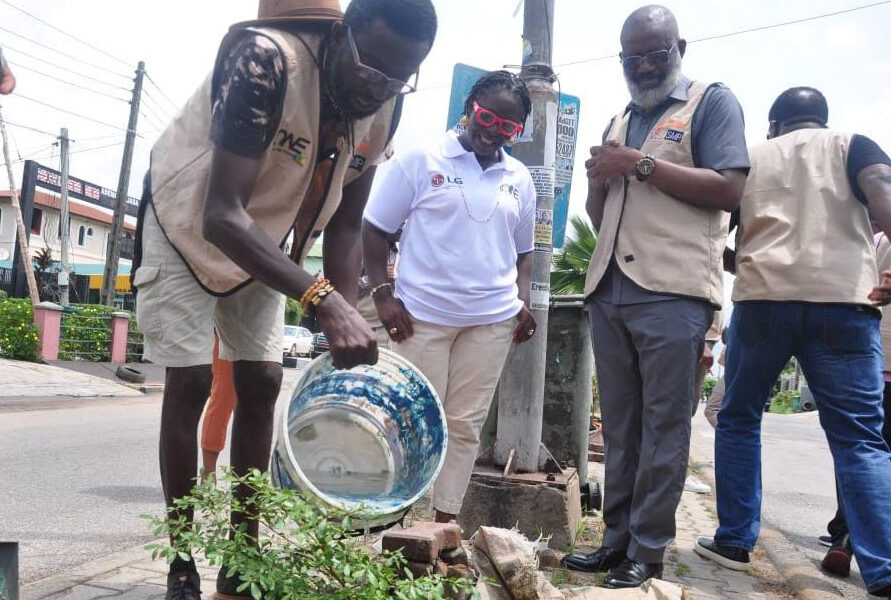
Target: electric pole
(24,250)
(64,226)
(117,228)
(518,445)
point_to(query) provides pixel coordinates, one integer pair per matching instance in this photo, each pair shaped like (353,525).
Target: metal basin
(370,439)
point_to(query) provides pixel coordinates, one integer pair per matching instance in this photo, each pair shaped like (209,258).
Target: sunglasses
(374,78)
(657,57)
(486,118)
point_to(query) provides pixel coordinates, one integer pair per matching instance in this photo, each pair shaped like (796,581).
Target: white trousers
(464,365)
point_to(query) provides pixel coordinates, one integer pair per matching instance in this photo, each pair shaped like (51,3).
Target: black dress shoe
(594,562)
(631,574)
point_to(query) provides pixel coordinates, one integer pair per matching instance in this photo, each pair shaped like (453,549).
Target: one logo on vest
(294,146)
(672,131)
(510,190)
(437,180)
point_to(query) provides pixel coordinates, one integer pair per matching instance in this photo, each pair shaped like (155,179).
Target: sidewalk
(131,575)
(26,380)
(702,579)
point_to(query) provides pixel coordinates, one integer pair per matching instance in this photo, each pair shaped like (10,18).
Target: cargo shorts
(178,317)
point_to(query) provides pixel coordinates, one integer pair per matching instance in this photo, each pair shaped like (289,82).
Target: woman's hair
(499,80)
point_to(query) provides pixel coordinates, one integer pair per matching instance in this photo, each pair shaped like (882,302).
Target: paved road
(799,493)
(76,476)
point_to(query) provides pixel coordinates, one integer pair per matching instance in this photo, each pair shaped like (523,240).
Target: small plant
(783,403)
(19,337)
(293,312)
(305,550)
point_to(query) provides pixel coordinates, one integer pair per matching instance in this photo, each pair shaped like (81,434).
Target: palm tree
(571,261)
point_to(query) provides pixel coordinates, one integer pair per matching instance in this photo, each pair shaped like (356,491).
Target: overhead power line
(76,114)
(56,66)
(65,33)
(65,54)
(166,97)
(54,153)
(743,31)
(29,128)
(149,100)
(71,83)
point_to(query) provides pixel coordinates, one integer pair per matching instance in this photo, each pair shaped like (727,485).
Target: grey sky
(848,57)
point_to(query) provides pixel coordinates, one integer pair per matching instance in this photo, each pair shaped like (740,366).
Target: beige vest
(661,243)
(288,179)
(883,262)
(803,235)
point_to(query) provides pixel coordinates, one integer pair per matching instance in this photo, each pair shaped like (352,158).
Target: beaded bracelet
(315,293)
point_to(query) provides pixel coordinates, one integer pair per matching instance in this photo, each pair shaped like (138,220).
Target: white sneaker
(691,484)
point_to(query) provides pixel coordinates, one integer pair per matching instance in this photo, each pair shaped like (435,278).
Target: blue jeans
(839,349)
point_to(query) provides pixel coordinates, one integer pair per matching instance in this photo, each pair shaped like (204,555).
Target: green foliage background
(19,336)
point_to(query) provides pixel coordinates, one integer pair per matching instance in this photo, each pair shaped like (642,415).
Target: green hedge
(19,337)
(86,333)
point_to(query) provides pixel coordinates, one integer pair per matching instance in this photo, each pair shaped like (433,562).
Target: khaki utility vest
(290,188)
(659,242)
(883,262)
(803,235)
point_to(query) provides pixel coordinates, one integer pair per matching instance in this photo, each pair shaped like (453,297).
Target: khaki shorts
(178,318)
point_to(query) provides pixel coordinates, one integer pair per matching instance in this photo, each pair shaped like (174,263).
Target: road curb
(805,578)
(84,573)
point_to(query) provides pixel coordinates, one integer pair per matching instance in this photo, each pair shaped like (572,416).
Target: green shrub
(19,336)
(305,550)
(86,333)
(3,295)
(708,386)
(783,403)
(293,312)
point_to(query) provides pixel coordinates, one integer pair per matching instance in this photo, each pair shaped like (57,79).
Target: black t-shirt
(248,96)
(862,153)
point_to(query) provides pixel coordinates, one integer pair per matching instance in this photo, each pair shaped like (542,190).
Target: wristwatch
(645,167)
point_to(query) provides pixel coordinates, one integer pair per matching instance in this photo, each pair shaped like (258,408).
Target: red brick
(423,542)
(422,569)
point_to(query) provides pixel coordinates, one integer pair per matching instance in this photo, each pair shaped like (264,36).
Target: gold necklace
(467,206)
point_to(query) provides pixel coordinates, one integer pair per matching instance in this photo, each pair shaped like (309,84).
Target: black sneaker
(227,587)
(726,556)
(825,540)
(183,585)
(838,559)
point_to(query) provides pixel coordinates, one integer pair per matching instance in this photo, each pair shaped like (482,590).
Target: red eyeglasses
(487,118)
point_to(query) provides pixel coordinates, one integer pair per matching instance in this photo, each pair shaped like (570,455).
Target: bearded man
(672,166)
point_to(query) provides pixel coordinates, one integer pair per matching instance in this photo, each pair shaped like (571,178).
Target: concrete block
(423,542)
(422,569)
(536,510)
(456,556)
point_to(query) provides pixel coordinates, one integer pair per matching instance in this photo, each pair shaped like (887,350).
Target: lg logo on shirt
(438,179)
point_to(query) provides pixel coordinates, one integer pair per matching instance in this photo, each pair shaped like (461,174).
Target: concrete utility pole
(113,257)
(64,222)
(521,389)
(22,234)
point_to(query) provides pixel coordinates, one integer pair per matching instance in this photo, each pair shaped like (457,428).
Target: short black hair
(502,80)
(800,104)
(414,19)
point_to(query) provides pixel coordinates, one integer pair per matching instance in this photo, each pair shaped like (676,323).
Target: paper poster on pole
(567,135)
(540,295)
(544,230)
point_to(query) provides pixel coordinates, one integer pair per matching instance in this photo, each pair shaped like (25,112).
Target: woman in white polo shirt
(462,284)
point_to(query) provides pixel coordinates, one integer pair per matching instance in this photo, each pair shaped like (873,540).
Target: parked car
(298,341)
(319,344)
